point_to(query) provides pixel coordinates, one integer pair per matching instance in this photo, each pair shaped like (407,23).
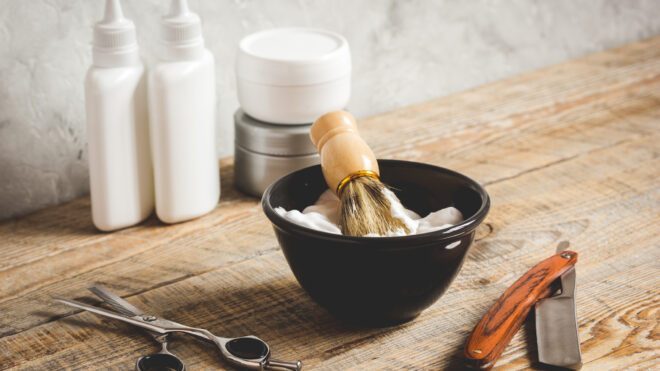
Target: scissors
(247,351)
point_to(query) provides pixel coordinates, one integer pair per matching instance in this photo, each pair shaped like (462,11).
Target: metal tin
(264,152)
(269,139)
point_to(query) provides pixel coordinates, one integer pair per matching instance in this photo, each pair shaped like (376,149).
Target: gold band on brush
(355,175)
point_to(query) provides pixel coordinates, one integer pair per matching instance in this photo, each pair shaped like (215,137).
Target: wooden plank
(568,152)
(547,134)
(236,300)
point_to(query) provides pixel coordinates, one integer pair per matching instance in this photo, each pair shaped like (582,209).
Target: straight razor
(556,323)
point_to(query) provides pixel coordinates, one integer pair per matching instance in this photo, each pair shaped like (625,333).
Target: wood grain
(569,152)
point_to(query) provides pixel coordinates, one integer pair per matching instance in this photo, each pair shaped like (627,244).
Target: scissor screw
(477,351)
(566,255)
(149,318)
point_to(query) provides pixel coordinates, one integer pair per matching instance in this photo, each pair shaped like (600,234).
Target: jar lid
(293,56)
(272,139)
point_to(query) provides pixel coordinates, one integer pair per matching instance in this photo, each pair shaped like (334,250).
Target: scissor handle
(159,361)
(273,364)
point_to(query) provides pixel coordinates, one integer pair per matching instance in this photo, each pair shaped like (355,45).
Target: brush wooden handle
(494,332)
(342,150)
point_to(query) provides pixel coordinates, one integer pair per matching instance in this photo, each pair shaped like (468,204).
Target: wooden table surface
(570,152)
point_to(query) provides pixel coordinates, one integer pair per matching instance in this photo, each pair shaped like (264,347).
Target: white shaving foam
(324,216)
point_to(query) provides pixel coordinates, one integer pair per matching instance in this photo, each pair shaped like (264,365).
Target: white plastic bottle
(120,173)
(182,119)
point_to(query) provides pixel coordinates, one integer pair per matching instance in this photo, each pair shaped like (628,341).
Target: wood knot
(483,231)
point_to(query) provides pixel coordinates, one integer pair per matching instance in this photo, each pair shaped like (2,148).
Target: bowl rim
(390,242)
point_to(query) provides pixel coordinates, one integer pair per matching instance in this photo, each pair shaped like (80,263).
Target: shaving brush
(350,169)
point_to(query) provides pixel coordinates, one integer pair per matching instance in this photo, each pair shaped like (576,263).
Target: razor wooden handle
(342,150)
(494,332)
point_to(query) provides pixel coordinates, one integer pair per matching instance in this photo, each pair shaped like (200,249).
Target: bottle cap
(181,32)
(115,43)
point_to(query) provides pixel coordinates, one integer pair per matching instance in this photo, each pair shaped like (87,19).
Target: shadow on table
(70,219)
(280,313)
(277,311)
(457,359)
(73,219)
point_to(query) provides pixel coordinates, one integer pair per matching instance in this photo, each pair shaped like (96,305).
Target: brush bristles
(366,210)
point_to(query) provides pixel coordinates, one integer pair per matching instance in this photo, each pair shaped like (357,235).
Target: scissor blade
(556,327)
(110,314)
(122,306)
(116,302)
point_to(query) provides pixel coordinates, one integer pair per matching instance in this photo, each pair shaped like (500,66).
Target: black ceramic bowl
(379,281)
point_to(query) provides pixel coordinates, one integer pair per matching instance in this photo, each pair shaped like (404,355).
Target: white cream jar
(293,75)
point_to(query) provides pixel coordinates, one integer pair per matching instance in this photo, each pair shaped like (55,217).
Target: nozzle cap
(181,32)
(114,31)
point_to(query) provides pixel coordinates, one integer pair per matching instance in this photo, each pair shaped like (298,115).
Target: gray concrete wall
(403,51)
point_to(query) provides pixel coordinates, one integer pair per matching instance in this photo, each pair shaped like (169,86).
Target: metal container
(264,152)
